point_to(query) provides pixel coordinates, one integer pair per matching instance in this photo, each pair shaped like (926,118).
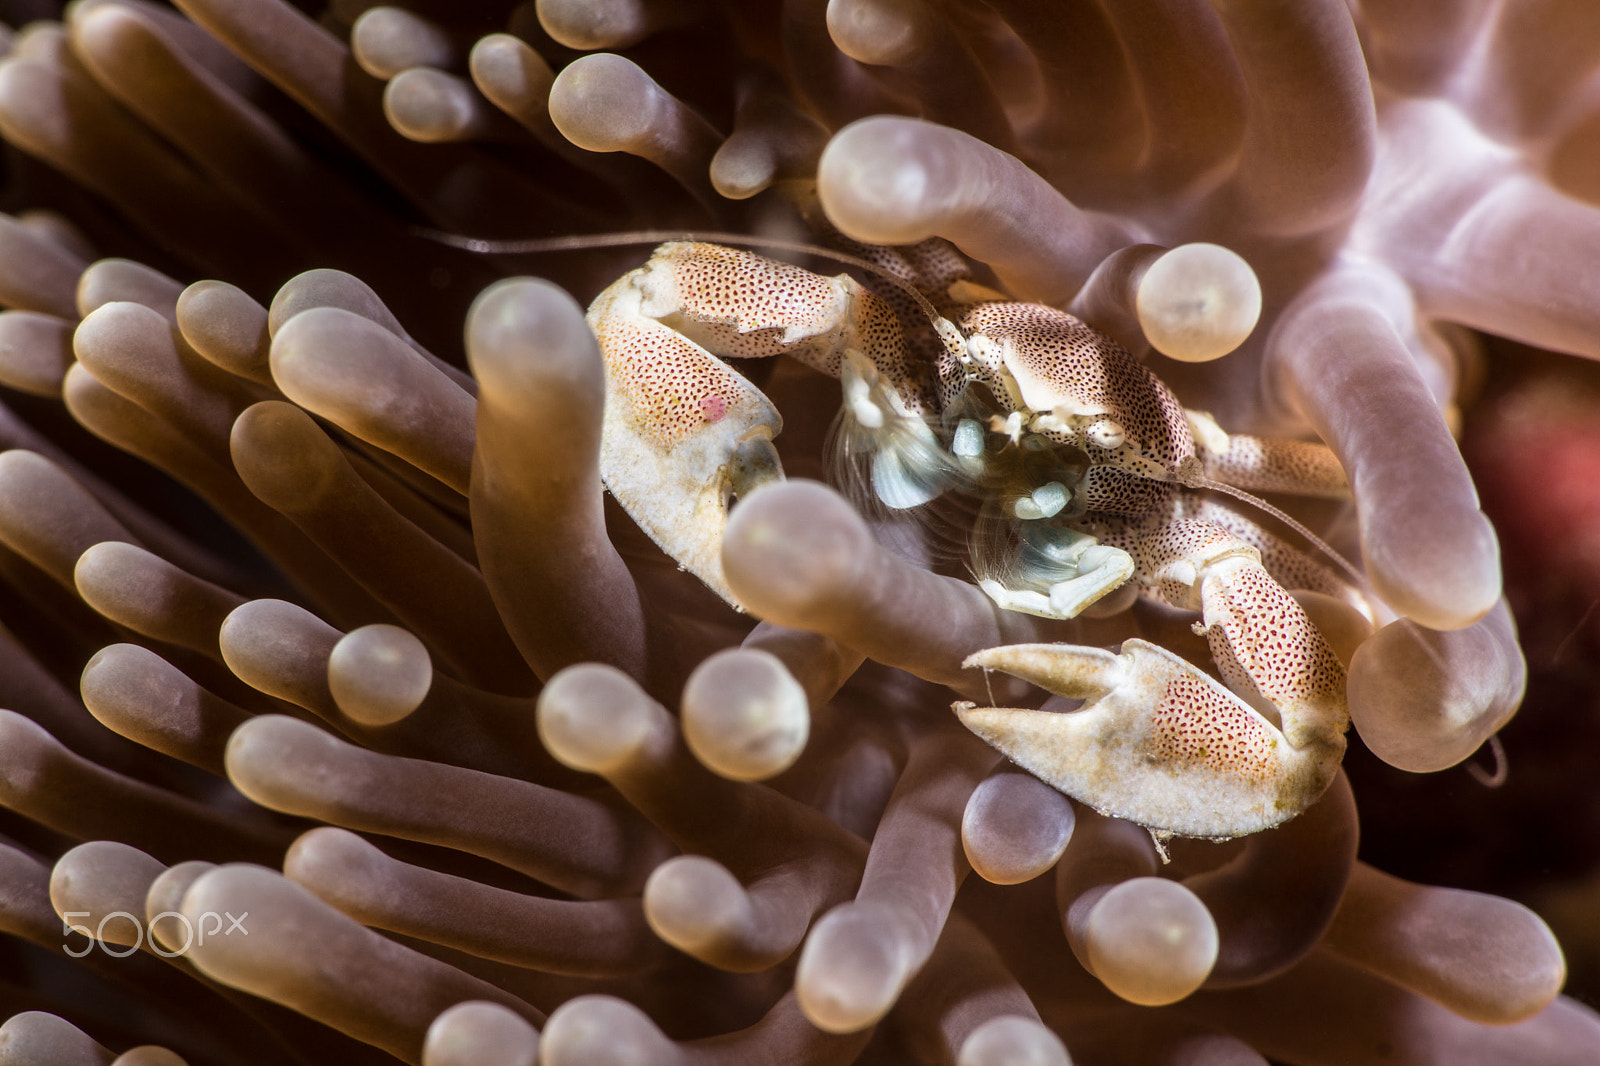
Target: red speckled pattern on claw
(1195,726)
(750,291)
(668,381)
(1269,634)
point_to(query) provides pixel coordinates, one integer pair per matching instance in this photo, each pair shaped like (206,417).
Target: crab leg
(740,305)
(1160,743)
(1267,464)
(1289,566)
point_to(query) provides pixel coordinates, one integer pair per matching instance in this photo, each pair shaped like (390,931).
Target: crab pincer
(684,432)
(1159,742)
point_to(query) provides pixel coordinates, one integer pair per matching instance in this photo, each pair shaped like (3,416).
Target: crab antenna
(947,330)
(1315,541)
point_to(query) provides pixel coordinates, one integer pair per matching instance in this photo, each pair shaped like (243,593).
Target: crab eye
(1107,434)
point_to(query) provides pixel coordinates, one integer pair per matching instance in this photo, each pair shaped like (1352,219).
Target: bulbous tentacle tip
(593,717)
(603,1029)
(1011,1038)
(744,715)
(1151,941)
(853,967)
(531,325)
(379,674)
(793,547)
(877,182)
(603,102)
(1198,302)
(480,1032)
(1423,700)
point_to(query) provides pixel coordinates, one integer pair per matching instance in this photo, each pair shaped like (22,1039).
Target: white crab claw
(683,432)
(1158,742)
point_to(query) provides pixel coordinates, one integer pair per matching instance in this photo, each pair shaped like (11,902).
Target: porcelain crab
(1088,460)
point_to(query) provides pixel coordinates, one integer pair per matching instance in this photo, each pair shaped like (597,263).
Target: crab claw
(1157,741)
(683,432)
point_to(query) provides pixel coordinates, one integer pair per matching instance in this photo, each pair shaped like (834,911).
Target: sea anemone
(348,719)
